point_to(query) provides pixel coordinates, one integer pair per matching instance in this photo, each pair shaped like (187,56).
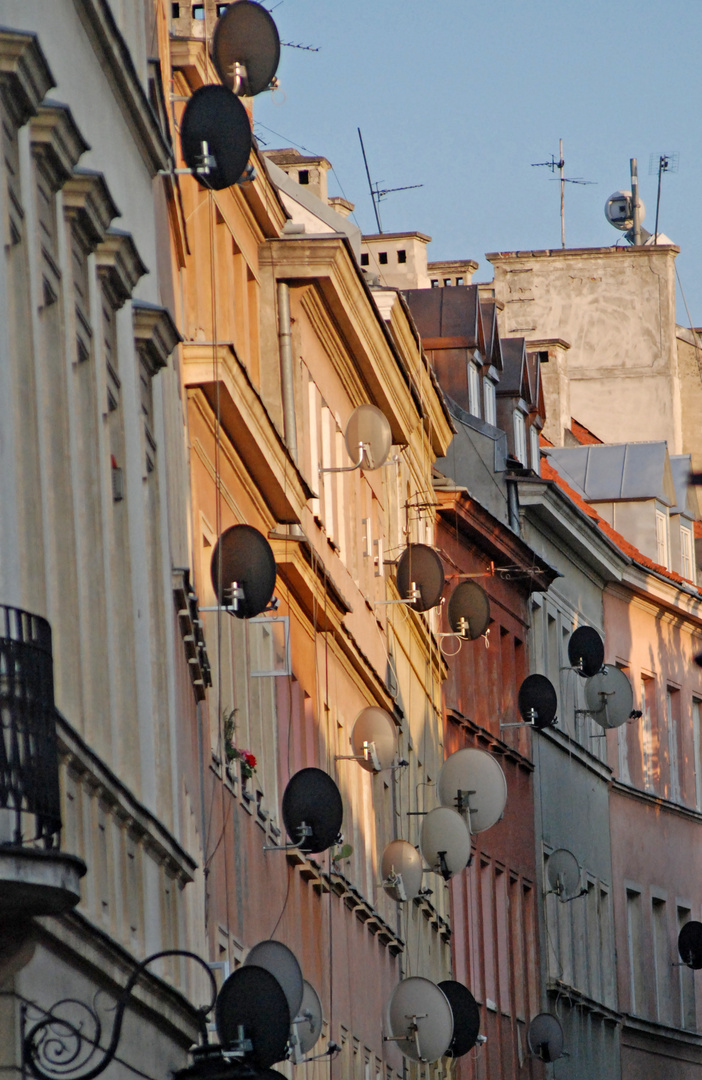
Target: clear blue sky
(461,97)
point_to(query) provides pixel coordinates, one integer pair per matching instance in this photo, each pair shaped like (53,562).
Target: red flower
(249,759)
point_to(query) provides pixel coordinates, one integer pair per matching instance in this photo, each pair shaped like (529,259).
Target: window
(696,719)
(198,11)
(447,281)
(663,962)
(662,539)
(636,952)
(534,452)
(459,280)
(647,690)
(675,757)
(490,401)
(687,566)
(435,283)
(520,450)
(473,389)
(303,176)
(364,258)
(688,1008)
(383,258)
(402,256)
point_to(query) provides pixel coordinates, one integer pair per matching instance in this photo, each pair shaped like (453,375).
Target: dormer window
(303,176)
(662,539)
(473,389)
(520,446)
(534,451)
(490,400)
(687,566)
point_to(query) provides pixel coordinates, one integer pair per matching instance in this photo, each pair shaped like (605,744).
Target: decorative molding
(88,203)
(155,333)
(119,265)
(25,76)
(56,141)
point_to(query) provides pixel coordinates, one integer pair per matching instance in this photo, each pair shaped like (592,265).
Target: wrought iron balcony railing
(29,775)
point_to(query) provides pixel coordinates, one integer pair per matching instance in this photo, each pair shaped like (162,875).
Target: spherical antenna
(246,48)
(307,1026)
(214,117)
(563,873)
(243,569)
(466,1017)
(444,842)
(545,1037)
(473,782)
(586,651)
(282,963)
(420,577)
(469,610)
(619,210)
(368,428)
(420,1020)
(537,701)
(374,739)
(609,697)
(312,810)
(690,945)
(401,869)
(253,999)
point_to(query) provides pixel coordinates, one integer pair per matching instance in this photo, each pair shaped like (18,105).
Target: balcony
(35,877)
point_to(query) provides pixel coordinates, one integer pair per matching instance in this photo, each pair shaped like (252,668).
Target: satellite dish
(374,739)
(215,117)
(609,697)
(545,1037)
(473,782)
(246,48)
(466,1017)
(444,842)
(690,945)
(563,874)
(282,963)
(537,701)
(619,210)
(243,569)
(420,1019)
(312,810)
(401,868)
(586,651)
(469,610)
(253,999)
(307,1025)
(420,567)
(368,427)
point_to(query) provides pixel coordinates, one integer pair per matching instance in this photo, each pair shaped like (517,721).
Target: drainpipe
(513,504)
(286,368)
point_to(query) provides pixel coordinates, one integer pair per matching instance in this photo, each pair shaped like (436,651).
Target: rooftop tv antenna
(560,165)
(661,163)
(378,193)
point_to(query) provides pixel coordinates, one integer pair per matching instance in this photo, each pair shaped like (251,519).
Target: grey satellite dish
(420,577)
(444,842)
(282,963)
(537,701)
(545,1037)
(420,1020)
(469,610)
(374,739)
(215,136)
(368,436)
(246,48)
(252,1001)
(473,782)
(690,944)
(312,810)
(401,869)
(466,1017)
(609,697)
(619,210)
(243,570)
(563,873)
(586,651)
(307,1025)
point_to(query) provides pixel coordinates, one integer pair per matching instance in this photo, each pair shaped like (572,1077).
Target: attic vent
(364,258)
(304,176)
(402,256)
(383,258)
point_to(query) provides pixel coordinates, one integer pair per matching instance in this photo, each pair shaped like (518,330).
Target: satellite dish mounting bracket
(412,1031)
(304,830)
(369,754)
(348,468)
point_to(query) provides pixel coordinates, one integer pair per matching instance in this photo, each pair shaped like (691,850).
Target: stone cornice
(25,76)
(155,334)
(89,205)
(56,141)
(119,265)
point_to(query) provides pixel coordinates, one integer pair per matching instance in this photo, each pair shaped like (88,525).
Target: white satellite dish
(444,842)
(282,963)
(563,873)
(420,1020)
(609,697)
(473,782)
(307,1025)
(401,868)
(374,739)
(368,436)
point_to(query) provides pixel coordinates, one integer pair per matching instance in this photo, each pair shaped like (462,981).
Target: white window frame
(697,765)
(673,748)
(474,389)
(490,401)
(520,445)
(662,545)
(534,451)
(687,557)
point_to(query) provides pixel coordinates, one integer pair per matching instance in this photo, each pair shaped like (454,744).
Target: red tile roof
(583,434)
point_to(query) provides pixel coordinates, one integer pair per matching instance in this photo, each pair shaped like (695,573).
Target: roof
(618,472)
(447,313)
(515,380)
(584,436)
(293,157)
(493,344)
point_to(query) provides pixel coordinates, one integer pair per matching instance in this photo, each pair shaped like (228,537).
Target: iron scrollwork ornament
(59,1048)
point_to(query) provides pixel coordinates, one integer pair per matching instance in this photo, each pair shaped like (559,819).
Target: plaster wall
(690,368)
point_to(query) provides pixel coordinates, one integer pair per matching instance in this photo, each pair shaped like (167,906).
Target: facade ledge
(631,792)
(560,990)
(34,881)
(155,334)
(57,141)
(119,265)
(491,742)
(87,200)
(661,1033)
(24,73)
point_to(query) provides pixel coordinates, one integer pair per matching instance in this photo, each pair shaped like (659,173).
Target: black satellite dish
(216,118)
(690,945)
(545,1037)
(421,566)
(312,810)
(466,1017)
(246,48)
(537,701)
(469,610)
(243,570)
(586,651)
(253,1000)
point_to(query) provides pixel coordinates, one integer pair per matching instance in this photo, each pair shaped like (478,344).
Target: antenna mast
(560,165)
(378,193)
